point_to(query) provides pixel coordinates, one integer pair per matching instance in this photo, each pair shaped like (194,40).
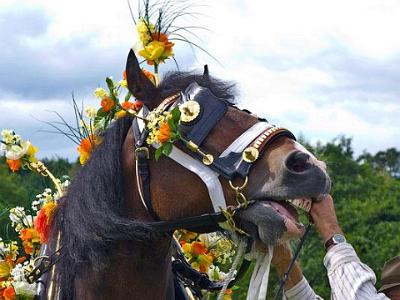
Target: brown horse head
(109,248)
(286,170)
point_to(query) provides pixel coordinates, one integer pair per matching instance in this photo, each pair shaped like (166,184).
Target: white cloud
(277,51)
(27,118)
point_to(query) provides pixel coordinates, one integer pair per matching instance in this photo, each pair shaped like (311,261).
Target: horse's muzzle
(304,176)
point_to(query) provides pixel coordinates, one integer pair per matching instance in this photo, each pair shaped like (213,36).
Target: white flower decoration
(91,112)
(23,288)
(16,152)
(190,110)
(8,136)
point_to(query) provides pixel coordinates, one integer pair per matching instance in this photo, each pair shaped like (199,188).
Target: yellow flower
(186,247)
(204,261)
(158,49)
(144,30)
(5,269)
(100,93)
(187,236)
(31,153)
(123,83)
(120,114)
(153,51)
(14,249)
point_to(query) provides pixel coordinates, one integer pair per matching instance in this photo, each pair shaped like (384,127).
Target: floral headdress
(157,29)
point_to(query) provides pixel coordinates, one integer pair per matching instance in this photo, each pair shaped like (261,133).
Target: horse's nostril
(298,162)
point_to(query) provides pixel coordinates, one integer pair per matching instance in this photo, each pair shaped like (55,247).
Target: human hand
(324,217)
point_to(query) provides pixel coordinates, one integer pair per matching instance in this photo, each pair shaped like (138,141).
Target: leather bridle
(230,164)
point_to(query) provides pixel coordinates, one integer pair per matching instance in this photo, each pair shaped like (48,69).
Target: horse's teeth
(304,204)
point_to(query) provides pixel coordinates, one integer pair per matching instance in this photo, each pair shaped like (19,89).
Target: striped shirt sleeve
(301,291)
(349,278)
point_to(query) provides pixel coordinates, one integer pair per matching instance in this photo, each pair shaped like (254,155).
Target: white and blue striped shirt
(349,278)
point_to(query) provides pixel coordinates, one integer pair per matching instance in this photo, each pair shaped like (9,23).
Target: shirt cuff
(302,290)
(340,254)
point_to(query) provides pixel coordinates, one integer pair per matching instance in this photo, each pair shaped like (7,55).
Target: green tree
(20,189)
(367,200)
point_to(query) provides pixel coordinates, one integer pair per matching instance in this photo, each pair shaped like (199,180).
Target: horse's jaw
(271,222)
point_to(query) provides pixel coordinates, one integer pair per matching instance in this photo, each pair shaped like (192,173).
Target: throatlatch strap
(142,168)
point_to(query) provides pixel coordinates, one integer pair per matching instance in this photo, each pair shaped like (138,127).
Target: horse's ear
(206,74)
(139,85)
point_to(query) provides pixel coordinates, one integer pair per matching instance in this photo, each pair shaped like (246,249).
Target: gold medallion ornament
(190,110)
(208,159)
(250,154)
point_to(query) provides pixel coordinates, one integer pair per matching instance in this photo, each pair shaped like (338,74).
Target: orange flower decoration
(166,44)
(29,237)
(86,148)
(43,221)
(137,105)
(198,248)
(164,133)
(201,259)
(14,165)
(107,104)
(162,37)
(228,294)
(150,76)
(9,293)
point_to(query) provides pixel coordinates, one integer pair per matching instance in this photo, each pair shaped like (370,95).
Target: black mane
(90,217)
(175,82)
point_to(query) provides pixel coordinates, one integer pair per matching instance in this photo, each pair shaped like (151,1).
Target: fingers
(324,216)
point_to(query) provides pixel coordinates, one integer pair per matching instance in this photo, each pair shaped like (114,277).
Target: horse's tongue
(286,210)
(294,229)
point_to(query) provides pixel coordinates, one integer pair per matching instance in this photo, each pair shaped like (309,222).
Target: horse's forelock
(174,82)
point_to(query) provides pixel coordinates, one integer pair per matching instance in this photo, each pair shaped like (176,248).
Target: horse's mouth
(288,210)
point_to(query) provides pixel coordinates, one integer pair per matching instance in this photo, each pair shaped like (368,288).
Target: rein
(292,261)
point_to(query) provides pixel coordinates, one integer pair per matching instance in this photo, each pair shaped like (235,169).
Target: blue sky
(322,68)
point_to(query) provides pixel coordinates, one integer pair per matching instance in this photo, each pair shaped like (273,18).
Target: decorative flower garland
(208,253)
(94,121)
(17,258)
(19,153)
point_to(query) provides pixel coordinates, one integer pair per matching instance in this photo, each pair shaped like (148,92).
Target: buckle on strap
(144,150)
(239,196)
